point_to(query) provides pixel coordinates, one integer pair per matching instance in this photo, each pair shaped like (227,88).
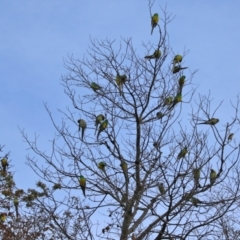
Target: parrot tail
(17,214)
(120,90)
(83,190)
(82,133)
(180,89)
(98,133)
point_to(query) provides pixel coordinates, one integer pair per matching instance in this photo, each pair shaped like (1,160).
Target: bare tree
(147,168)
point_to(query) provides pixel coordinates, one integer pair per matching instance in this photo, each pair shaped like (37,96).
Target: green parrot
(181,82)
(211,121)
(82,125)
(177,59)
(195,201)
(120,80)
(177,99)
(3,217)
(168,101)
(177,69)
(154,21)
(213,176)
(82,182)
(16,203)
(124,167)
(95,86)
(187,196)
(161,189)
(182,153)
(102,165)
(196,176)
(99,119)
(230,137)
(4,163)
(159,115)
(102,127)
(156,55)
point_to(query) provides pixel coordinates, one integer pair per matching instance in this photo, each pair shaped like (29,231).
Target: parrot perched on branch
(182,153)
(4,163)
(159,115)
(156,55)
(16,203)
(154,21)
(102,165)
(211,121)
(95,86)
(124,167)
(102,127)
(181,82)
(98,120)
(168,101)
(230,137)
(213,176)
(3,217)
(177,59)
(82,182)
(161,189)
(82,125)
(195,201)
(120,80)
(196,176)
(177,69)
(176,100)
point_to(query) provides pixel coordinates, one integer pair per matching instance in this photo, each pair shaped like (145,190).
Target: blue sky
(35,37)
